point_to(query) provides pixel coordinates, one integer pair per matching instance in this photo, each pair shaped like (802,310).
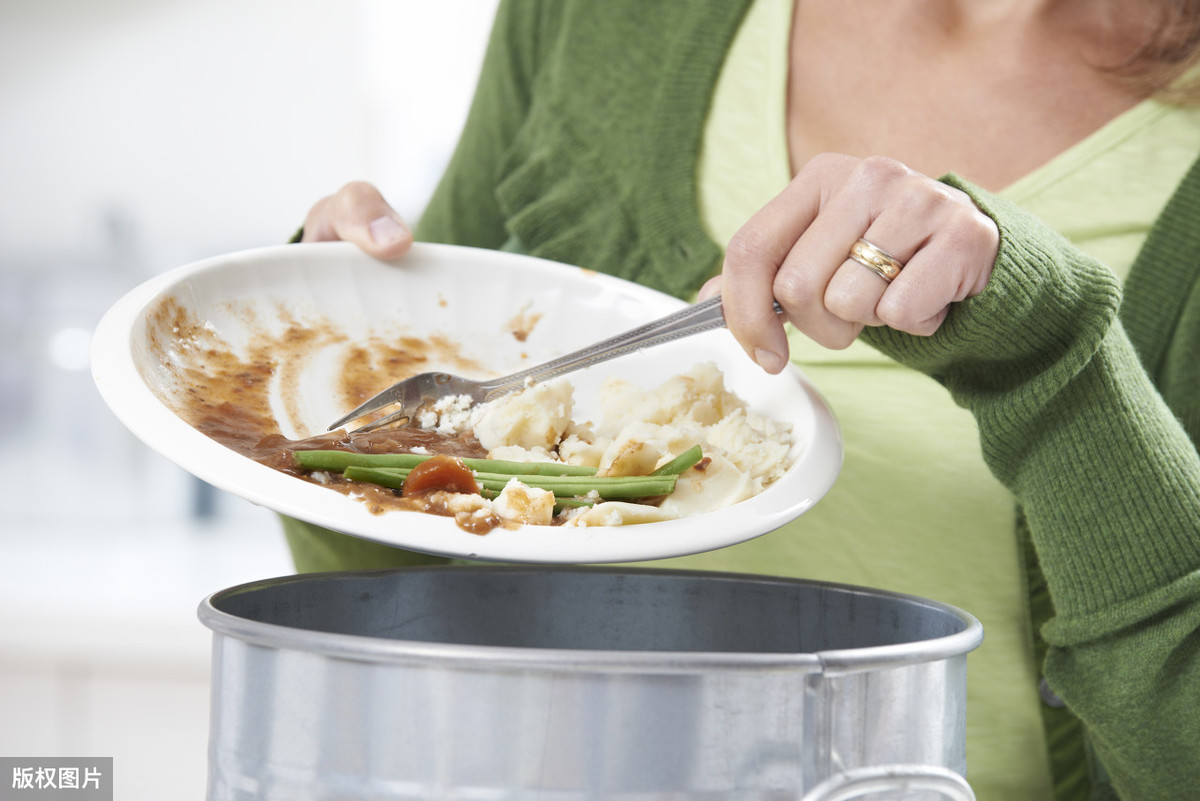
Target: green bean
(680,463)
(338,461)
(606,487)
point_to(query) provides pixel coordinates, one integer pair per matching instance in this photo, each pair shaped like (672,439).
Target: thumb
(358,213)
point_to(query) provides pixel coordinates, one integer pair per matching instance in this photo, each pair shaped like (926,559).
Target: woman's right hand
(358,213)
(796,250)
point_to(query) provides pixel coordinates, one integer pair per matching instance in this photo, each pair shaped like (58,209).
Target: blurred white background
(137,136)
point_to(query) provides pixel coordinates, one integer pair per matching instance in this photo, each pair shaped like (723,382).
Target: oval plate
(501,310)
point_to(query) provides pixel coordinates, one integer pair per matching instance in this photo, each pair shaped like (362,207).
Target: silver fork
(425,389)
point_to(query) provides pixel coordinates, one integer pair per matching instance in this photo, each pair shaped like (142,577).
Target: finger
(853,293)
(823,290)
(758,252)
(358,213)
(711,288)
(855,289)
(953,263)
(943,272)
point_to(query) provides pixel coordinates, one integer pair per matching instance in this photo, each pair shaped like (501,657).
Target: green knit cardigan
(581,146)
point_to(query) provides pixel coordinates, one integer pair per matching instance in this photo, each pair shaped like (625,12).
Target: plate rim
(113,366)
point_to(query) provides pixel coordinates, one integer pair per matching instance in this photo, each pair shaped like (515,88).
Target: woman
(1019,433)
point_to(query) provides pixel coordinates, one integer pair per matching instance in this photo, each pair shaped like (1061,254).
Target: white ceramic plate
(472,296)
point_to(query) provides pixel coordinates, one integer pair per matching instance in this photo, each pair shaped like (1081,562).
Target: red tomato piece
(441,472)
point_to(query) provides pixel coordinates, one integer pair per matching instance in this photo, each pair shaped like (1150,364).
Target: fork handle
(696,318)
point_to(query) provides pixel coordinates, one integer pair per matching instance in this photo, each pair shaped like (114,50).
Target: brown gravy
(227,397)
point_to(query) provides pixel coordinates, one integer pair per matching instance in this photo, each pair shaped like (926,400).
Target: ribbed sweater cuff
(1068,421)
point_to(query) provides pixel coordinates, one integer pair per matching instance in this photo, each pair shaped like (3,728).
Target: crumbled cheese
(449,415)
(581,449)
(466,508)
(757,444)
(639,430)
(515,453)
(463,502)
(518,503)
(640,447)
(536,417)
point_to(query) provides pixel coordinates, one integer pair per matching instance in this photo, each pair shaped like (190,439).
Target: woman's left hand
(796,250)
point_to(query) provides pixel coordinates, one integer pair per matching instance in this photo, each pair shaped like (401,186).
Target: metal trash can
(523,683)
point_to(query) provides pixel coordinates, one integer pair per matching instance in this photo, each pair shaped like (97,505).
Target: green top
(582,146)
(744,162)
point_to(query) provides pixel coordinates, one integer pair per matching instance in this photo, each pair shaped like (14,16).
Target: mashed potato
(638,431)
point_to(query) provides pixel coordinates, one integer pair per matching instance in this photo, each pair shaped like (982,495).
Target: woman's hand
(796,251)
(358,213)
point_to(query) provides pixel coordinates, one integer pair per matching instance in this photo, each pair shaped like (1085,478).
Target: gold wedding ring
(875,259)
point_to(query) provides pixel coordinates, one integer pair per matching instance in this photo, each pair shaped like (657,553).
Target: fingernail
(769,360)
(385,230)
